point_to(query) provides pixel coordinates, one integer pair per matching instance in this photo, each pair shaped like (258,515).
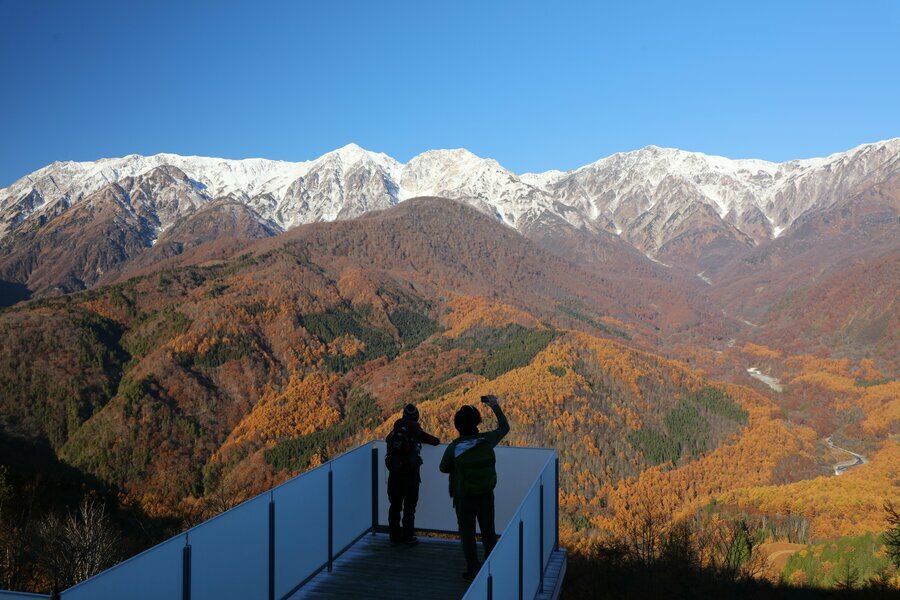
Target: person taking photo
(470,462)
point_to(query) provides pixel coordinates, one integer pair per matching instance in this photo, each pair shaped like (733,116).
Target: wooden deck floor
(372,568)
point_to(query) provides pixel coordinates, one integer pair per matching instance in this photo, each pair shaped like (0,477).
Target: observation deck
(322,535)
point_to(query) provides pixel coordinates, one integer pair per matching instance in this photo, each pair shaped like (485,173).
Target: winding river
(842,467)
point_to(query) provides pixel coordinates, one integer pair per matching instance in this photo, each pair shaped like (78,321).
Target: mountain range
(69,225)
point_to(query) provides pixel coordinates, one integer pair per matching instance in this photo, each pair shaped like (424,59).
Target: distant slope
(293,337)
(830,283)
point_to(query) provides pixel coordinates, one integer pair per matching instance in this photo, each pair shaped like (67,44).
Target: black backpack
(402,450)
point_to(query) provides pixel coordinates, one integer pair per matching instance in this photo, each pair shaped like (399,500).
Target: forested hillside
(179,392)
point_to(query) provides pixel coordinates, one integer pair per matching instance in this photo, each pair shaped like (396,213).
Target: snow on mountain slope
(461,175)
(643,196)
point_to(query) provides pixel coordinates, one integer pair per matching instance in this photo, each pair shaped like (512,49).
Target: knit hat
(411,412)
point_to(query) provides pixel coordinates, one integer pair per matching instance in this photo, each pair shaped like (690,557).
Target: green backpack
(473,470)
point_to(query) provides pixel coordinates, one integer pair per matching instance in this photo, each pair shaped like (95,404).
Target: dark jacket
(413,432)
(492,438)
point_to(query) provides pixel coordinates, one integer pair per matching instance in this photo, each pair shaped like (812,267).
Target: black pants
(403,494)
(469,509)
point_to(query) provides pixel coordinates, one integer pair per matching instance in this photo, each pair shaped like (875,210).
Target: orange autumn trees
(467,312)
(304,405)
(834,394)
(756,457)
(581,393)
(849,504)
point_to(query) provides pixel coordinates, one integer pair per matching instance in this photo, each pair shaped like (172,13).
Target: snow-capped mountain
(677,207)
(619,191)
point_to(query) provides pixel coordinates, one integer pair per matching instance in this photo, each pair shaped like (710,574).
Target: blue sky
(535,85)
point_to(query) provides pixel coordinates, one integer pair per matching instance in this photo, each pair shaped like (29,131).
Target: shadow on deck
(372,568)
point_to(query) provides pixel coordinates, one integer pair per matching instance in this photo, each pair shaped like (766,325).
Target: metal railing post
(490,587)
(330,518)
(374,488)
(541,539)
(186,570)
(271,547)
(556,497)
(521,559)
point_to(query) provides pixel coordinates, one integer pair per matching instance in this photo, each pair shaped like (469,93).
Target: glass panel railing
(301,528)
(155,574)
(503,564)
(435,508)
(548,477)
(478,589)
(230,553)
(352,496)
(532,560)
(517,469)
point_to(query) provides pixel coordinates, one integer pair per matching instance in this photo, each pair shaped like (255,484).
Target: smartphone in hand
(489,398)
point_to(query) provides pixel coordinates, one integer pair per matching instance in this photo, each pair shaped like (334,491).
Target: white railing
(515,568)
(264,548)
(269,546)
(6,595)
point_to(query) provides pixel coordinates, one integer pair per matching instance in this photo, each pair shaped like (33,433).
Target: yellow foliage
(750,459)
(300,408)
(347,345)
(849,504)
(478,311)
(760,352)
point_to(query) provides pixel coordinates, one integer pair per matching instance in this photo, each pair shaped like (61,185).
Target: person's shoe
(411,541)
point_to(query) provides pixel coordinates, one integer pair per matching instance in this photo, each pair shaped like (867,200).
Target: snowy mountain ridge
(648,196)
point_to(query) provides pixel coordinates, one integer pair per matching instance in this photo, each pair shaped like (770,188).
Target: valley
(182,333)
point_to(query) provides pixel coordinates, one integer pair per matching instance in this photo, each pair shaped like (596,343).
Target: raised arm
(494,437)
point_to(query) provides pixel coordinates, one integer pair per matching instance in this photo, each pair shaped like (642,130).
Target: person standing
(470,462)
(403,459)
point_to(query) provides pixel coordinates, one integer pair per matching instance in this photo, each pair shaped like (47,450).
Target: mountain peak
(351,151)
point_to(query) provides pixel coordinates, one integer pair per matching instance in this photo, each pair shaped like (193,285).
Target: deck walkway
(372,568)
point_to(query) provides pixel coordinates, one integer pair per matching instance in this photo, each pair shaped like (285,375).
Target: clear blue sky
(534,85)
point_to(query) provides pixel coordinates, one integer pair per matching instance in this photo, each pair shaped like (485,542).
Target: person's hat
(411,412)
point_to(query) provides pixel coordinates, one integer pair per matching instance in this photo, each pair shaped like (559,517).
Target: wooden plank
(433,568)
(373,568)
